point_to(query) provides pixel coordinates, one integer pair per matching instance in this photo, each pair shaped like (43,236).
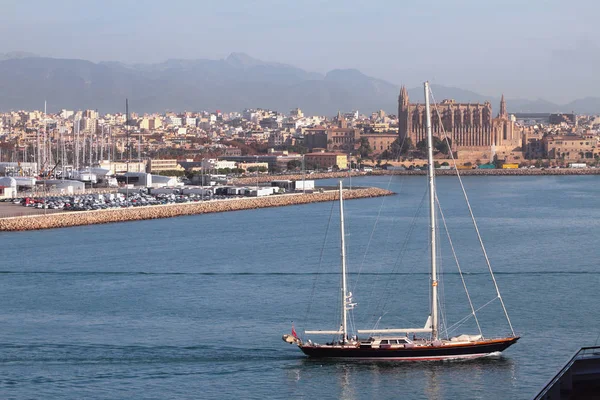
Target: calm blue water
(194,307)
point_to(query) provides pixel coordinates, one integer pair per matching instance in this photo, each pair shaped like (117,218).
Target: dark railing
(584,352)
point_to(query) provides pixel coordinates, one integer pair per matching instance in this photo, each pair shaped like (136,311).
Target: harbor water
(195,306)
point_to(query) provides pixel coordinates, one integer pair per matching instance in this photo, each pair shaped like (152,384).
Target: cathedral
(470,126)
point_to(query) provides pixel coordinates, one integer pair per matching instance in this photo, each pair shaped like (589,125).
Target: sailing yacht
(396,343)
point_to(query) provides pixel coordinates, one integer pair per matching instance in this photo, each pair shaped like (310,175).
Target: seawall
(439,172)
(74,218)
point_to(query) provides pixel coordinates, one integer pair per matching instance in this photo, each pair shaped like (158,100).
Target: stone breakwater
(295,177)
(62,220)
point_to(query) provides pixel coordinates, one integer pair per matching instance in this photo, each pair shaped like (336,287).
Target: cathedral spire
(502,113)
(403,99)
(341,121)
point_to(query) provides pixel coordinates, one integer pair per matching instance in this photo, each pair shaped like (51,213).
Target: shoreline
(438,172)
(79,218)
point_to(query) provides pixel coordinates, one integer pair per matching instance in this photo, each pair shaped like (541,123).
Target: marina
(171,207)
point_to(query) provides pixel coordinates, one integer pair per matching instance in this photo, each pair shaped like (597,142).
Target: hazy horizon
(545,50)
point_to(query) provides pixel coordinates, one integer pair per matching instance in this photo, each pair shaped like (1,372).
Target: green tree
(365,148)
(294,164)
(438,145)
(398,148)
(297,148)
(171,173)
(442,146)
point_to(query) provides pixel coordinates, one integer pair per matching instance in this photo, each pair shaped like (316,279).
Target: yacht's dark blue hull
(418,353)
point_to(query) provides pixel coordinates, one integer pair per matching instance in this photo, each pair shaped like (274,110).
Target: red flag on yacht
(294,334)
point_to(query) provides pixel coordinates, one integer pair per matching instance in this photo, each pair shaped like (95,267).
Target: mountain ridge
(236,82)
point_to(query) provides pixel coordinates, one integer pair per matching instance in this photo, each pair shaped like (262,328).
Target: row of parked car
(105,201)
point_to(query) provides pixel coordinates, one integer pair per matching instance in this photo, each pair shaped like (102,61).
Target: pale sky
(523,48)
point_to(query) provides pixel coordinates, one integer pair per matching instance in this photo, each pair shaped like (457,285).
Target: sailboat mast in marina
(395,343)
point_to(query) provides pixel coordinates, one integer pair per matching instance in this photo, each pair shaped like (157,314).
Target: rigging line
(312,293)
(464,319)
(441,285)
(367,303)
(462,278)
(382,303)
(371,238)
(369,309)
(489,265)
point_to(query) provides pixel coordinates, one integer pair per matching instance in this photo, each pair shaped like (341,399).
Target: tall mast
(101,145)
(77,149)
(431,176)
(127,131)
(344,286)
(45,139)
(128,148)
(91,142)
(62,141)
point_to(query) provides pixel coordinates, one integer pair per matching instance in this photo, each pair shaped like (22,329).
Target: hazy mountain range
(231,84)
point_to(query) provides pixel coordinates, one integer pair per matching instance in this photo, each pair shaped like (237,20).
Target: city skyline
(524,50)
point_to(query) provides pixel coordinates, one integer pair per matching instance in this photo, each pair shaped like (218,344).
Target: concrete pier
(67,219)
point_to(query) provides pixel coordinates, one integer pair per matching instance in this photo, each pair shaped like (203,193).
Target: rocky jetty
(62,220)
(295,177)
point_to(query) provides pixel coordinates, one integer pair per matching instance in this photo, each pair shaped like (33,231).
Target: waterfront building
(163,165)
(213,163)
(325,160)
(338,138)
(275,160)
(571,147)
(252,165)
(380,142)
(121,167)
(342,139)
